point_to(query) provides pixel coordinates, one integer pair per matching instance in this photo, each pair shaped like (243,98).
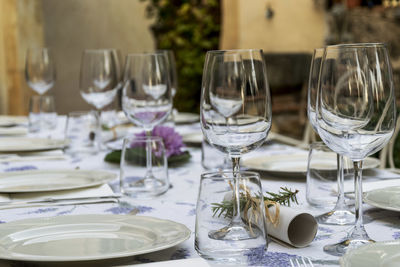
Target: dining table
(178,204)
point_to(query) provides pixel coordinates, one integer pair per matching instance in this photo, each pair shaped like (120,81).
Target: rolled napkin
(293,227)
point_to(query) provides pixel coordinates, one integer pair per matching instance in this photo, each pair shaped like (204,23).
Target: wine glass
(40,70)
(147,101)
(340,214)
(99,80)
(235,111)
(356,114)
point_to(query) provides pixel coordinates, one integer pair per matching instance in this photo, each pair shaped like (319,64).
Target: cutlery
(59,202)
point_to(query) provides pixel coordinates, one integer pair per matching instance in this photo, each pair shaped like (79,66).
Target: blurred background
(286,30)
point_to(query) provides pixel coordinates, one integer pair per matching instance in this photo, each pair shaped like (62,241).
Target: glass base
(356,238)
(234,232)
(146,188)
(336,217)
(340,248)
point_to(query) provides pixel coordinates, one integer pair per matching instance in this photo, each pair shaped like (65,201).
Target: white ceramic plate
(11,144)
(296,164)
(7,121)
(51,180)
(182,118)
(385,198)
(87,237)
(383,254)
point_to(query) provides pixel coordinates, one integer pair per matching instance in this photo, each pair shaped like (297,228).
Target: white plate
(288,165)
(183,117)
(11,144)
(87,237)
(6,121)
(385,198)
(383,254)
(51,180)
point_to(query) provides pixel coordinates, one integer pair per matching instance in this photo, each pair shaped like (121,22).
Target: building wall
(70,26)
(296,25)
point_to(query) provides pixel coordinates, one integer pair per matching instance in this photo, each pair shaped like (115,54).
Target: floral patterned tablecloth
(179,204)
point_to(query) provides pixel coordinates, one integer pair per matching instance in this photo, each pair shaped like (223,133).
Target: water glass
(42,113)
(137,178)
(80,130)
(322,175)
(217,188)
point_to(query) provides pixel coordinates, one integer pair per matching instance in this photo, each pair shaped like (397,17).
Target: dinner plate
(51,180)
(87,237)
(385,198)
(21,144)
(383,254)
(296,164)
(182,117)
(7,121)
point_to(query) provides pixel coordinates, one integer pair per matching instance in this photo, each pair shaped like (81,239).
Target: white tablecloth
(179,204)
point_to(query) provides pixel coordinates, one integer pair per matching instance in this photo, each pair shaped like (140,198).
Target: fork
(301,262)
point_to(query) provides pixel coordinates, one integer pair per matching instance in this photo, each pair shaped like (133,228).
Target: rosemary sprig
(285,197)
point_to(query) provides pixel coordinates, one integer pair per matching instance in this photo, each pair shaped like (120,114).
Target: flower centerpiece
(174,146)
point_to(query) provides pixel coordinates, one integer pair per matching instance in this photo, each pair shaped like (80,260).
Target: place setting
(134,188)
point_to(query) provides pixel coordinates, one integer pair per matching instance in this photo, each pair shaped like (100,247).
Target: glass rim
(80,112)
(146,139)
(234,50)
(145,54)
(218,174)
(356,45)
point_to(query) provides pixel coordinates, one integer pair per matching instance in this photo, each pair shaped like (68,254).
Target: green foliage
(138,156)
(189,28)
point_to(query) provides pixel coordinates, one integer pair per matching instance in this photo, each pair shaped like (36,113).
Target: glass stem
(149,163)
(97,138)
(358,194)
(341,202)
(236,219)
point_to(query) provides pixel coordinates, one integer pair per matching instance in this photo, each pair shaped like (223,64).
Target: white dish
(7,121)
(287,165)
(385,198)
(87,237)
(51,180)
(21,144)
(183,117)
(384,254)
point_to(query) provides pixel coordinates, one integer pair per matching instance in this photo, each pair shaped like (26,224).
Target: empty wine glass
(235,112)
(356,114)
(147,101)
(340,214)
(99,80)
(40,70)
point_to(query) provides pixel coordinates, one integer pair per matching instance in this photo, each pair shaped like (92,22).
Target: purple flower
(172,140)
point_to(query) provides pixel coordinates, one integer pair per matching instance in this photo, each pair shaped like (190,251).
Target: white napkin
(98,191)
(295,227)
(33,156)
(14,131)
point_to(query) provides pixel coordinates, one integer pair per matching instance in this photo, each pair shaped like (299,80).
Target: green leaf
(138,156)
